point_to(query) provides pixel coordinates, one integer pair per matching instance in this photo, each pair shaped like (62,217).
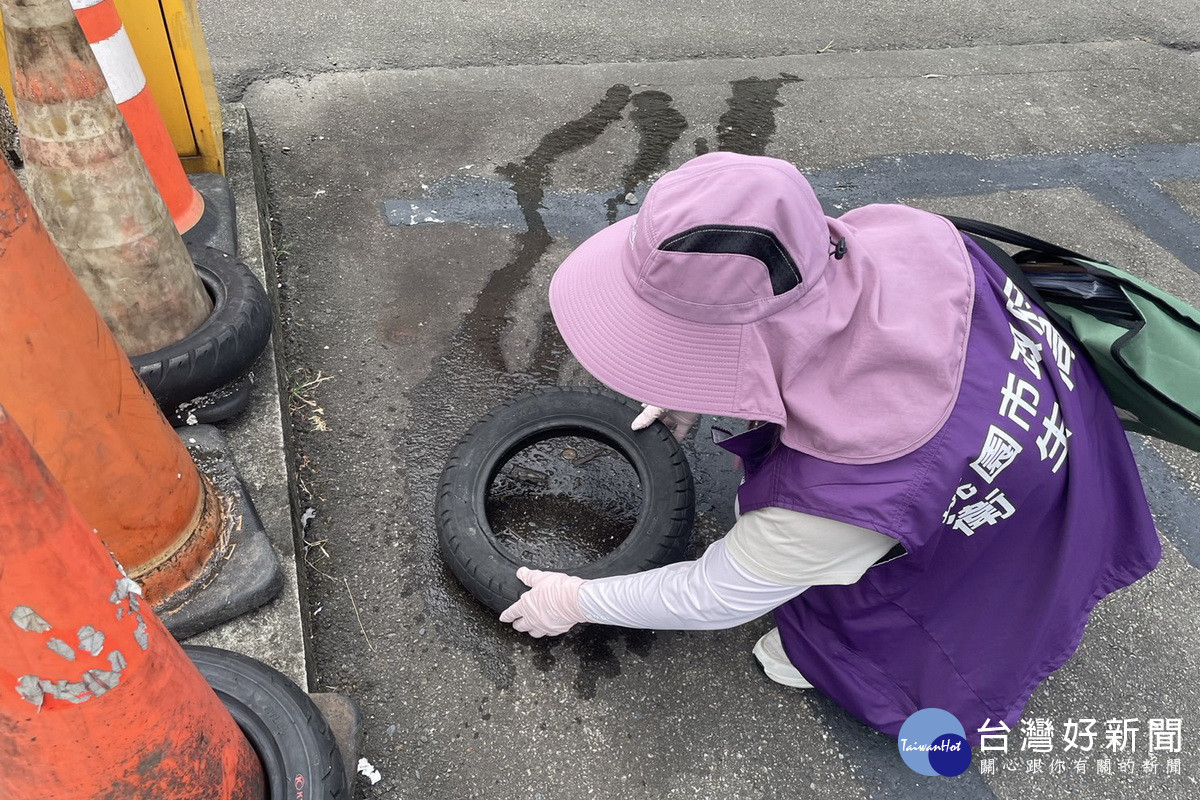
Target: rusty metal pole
(66,382)
(97,700)
(91,186)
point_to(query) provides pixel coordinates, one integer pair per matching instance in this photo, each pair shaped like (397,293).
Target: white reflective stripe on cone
(120,66)
(78,4)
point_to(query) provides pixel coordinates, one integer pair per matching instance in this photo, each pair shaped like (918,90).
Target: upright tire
(224,346)
(664,524)
(299,754)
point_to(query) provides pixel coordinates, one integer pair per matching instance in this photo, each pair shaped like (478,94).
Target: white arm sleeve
(711,592)
(770,556)
(785,546)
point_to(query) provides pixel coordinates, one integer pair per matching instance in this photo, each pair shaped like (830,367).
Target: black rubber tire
(664,525)
(216,406)
(299,754)
(225,344)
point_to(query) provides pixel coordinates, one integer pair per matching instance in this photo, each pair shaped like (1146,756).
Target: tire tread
(224,346)
(256,685)
(489,573)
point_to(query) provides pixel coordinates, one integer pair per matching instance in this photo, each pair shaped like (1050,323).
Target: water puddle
(564,502)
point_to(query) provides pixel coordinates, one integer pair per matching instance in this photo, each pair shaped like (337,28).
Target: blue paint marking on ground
(1128,180)
(491,203)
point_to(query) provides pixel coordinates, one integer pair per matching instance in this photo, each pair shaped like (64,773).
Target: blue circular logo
(933,742)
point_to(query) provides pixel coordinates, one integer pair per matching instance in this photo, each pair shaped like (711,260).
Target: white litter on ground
(368,771)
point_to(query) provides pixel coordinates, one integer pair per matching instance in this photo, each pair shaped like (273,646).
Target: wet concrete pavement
(419,214)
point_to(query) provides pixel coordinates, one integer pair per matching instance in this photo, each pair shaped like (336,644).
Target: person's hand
(677,422)
(550,607)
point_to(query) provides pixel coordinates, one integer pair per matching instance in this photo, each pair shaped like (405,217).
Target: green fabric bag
(1143,342)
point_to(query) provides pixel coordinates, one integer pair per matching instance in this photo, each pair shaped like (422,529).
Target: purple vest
(1017,517)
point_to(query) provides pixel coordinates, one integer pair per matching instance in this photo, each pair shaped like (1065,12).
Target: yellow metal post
(6,77)
(169,43)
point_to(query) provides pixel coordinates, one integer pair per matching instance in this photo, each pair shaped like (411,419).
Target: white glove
(550,607)
(677,422)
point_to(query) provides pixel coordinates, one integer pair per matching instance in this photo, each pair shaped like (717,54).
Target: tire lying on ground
(300,757)
(224,346)
(469,546)
(219,404)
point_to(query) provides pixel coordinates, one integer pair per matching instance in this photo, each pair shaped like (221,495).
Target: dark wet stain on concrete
(473,375)
(542,653)
(598,657)
(749,123)
(659,127)
(598,652)
(529,179)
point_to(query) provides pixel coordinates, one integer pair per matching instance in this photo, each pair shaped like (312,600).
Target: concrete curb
(277,633)
(258,439)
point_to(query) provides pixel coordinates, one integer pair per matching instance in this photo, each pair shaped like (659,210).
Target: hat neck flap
(869,366)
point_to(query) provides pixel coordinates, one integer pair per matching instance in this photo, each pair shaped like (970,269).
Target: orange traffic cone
(67,382)
(105,33)
(91,185)
(96,698)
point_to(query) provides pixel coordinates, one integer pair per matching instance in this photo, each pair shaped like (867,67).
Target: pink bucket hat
(731,293)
